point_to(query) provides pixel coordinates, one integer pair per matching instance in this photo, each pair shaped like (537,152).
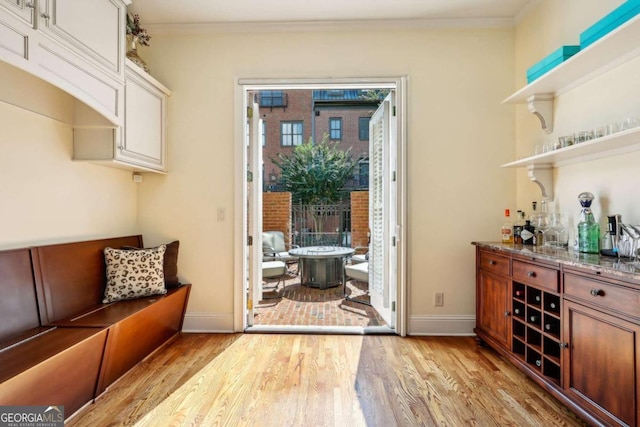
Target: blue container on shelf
(610,22)
(551,61)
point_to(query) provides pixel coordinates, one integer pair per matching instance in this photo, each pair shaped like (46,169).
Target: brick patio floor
(299,305)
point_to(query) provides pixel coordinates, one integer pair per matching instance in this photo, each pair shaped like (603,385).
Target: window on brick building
(264,133)
(290,133)
(272,98)
(335,128)
(363,128)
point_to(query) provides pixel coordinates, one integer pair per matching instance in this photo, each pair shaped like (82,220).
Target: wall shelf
(612,50)
(618,143)
(605,54)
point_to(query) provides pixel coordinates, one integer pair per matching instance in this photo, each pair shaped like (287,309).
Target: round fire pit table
(321,266)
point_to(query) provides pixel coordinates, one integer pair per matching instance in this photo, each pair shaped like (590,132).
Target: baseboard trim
(442,325)
(208,322)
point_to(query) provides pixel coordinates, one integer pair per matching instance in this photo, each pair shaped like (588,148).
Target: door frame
(242,86)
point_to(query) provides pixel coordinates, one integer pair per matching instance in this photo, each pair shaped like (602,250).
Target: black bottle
(528,233)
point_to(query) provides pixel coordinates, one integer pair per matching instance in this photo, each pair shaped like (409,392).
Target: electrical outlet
(438,299)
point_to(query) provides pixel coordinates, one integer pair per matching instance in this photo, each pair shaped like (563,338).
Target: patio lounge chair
(274,248)
(359,272)
(272,270)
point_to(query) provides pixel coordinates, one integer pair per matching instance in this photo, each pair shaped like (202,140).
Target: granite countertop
(625,268)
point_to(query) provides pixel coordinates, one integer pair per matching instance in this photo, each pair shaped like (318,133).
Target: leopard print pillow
(134,274)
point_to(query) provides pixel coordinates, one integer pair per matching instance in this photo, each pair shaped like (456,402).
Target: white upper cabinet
(22,9)
(76,45)
(145,120)
(139,145)
(92,28)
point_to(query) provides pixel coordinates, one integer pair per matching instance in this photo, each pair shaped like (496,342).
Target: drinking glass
(557,228)
(634,234)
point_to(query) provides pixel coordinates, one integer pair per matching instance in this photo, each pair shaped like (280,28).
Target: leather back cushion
(18,302)
(72,275)
(170,263)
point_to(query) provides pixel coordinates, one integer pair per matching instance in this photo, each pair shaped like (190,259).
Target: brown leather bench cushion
(71,276)
(18,301)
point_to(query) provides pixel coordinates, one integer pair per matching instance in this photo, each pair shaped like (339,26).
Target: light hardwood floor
(324,380)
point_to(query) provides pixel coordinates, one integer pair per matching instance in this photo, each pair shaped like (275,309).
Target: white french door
(254,207)
(387,266)
(382,210)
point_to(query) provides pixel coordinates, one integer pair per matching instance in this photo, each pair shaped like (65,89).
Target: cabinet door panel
(493,306)
(604,361)
(145,113)
(23,9)
(93,27)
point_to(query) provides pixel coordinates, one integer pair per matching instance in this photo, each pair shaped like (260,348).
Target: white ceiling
(163,12)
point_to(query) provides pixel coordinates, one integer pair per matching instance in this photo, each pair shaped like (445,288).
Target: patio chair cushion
(360,258)
(273,269)
(274,248)
(358,272)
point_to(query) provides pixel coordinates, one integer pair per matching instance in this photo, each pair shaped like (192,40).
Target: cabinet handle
(30,5)
(506,314)
(45,15)
(492,262)
(597,292)
(531,273)
(120,147)
(563,345)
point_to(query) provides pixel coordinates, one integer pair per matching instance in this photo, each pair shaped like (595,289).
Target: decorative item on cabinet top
(136,35)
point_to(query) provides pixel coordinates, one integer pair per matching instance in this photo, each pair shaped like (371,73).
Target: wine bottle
(538,299)
(519,293)
(534,319)
(552,305)
(550,327)
(538,362)
(516,311)
(507,228)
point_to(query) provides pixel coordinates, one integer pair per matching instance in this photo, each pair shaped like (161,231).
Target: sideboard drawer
(612,297)
(536,275)
(494,263)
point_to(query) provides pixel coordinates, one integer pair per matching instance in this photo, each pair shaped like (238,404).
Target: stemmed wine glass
(633,231)
(557,227)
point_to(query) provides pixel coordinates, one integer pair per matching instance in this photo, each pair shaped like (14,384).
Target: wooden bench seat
(60,366)
(140,326)
(42,365)
(59,345)
(72,294)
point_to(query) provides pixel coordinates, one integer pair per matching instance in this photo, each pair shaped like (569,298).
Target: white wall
(458,135)
(608,98)
(45,197)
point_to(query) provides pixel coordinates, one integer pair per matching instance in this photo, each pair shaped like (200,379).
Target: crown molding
(320,26)
(526,10)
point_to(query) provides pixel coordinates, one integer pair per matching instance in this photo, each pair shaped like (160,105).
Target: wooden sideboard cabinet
(602,332)
(575,331)
(493,306)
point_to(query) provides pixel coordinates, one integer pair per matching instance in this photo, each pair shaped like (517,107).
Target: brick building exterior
(291,117)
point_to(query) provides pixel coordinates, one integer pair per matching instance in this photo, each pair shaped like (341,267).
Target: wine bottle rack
(535,333)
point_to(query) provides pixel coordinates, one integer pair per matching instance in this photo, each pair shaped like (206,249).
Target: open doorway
(303,283)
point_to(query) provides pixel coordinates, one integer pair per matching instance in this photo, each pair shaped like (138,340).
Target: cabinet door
(493,315)
(23,9)
(144,132)
(92,28)
(15,38)
(601,372)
